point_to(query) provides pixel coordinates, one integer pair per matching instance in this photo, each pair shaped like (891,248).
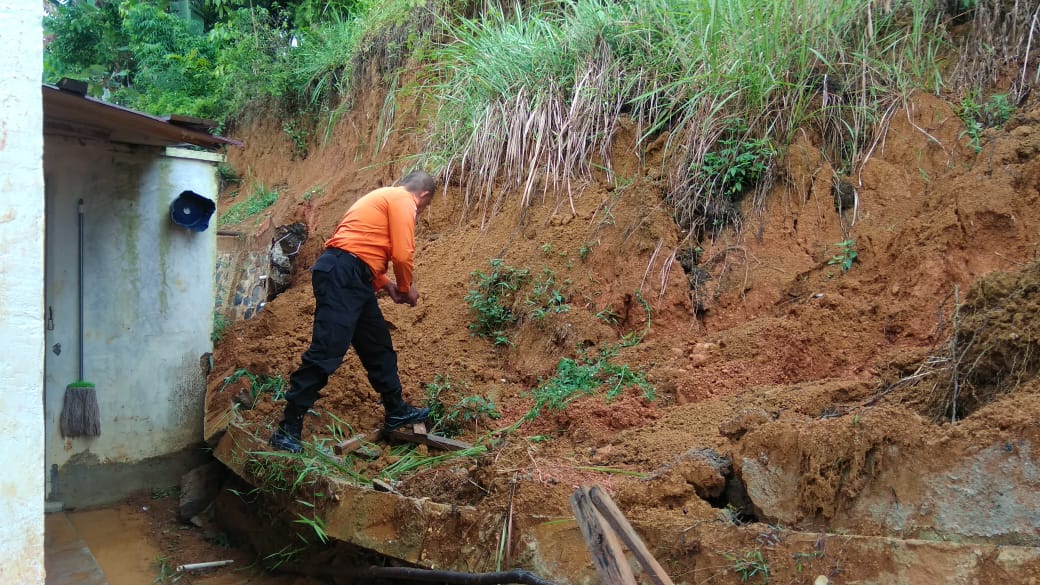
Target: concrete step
(67,559)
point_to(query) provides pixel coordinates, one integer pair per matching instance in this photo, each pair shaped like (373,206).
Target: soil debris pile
(760,377)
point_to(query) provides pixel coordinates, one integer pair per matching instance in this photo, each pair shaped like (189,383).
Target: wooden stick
(607,556)
(429,440)
(603,502)
(354,443)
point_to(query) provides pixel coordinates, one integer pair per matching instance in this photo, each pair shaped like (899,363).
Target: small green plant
(299,137)
(846,255)
(609,316)
(809,557)
(220,324)
(258,384)
(546,248)
(585,251)
(735,164)
(261,199)
(228,175)
(316,524)
(165,573)
(546,298)
(491,300)
(316,191)
(620,377)
(978,115)
(752,564)
(282,556)
(450,420)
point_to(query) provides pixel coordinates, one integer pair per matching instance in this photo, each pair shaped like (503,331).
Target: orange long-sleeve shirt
(380,228)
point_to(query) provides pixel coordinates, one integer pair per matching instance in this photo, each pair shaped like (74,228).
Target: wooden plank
(354,443)
(419,428)
(435,441)
(607,556)
(606,506)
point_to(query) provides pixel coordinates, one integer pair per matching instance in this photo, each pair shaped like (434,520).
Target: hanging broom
(80,416)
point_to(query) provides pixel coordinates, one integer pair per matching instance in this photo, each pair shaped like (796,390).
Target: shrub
(491,301)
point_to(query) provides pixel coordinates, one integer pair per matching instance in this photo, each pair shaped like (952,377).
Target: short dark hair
(419,181)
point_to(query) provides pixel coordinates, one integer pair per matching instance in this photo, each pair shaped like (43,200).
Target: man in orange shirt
(379,228)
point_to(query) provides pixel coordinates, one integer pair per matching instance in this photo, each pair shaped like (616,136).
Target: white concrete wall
(148,310)
(21,298)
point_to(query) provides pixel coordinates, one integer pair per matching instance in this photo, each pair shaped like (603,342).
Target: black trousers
(346,313)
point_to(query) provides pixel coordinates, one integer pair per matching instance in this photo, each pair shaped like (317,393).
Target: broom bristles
(80,416)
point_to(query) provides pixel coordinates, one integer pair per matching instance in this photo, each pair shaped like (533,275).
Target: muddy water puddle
(141,541)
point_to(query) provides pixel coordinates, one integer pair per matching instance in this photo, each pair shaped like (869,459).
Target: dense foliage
(524,97)
(138,54)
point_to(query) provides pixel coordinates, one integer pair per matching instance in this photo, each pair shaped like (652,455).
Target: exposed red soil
(787,336)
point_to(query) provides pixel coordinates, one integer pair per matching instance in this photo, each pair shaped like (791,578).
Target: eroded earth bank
(834,390)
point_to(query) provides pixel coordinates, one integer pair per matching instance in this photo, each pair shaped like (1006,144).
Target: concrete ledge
(417,531)
(87,482)
(464,538)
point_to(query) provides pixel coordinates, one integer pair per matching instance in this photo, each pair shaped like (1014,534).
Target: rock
(821,580)
(199,487)
(701,470)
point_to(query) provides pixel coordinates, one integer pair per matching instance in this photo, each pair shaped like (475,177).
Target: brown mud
(140,541)
(826,385)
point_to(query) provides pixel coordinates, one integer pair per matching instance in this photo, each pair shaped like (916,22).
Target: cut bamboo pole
(603,502)
(607,555)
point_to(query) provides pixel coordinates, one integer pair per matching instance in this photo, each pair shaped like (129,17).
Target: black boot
(287,436)
(399,413)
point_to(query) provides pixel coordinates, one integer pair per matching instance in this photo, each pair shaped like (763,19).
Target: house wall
(21,284)
(148,289)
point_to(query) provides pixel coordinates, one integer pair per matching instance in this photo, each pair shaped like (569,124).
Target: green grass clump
(227,174)
(448,418)
(261,199)
(978,115)
(547,297)
(258,384)
(408,459)
(492,298)
(584,376)
(221,322)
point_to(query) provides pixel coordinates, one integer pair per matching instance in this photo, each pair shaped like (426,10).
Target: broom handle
(79,288)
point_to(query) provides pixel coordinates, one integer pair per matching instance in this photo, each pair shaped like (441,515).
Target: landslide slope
(790,395)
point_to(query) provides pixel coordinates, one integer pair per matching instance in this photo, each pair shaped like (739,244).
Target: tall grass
(531,98)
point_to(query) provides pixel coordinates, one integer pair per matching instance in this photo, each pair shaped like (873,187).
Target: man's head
(421,185)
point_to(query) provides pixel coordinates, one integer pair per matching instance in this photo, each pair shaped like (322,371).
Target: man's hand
(391,289)
(411,297)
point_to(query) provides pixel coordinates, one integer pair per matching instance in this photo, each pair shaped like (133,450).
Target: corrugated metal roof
(70,112)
